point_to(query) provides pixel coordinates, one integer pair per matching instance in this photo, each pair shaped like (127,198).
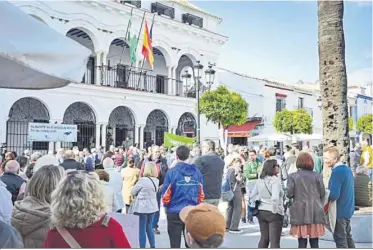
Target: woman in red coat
(79,218)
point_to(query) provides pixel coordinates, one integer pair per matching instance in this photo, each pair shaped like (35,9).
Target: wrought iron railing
(126,77)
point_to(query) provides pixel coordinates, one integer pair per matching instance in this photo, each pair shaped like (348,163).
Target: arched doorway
(84,39)
(121,125)
(185,88)
(117,69)
(156,126)
(82,115)
(22,112)
(187,125)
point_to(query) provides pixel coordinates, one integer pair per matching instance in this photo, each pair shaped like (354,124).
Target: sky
(278,40)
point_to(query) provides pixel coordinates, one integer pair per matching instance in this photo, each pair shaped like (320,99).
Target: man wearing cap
(205,226)
(182,187)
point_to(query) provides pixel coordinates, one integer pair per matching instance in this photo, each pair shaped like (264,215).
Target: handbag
(68,238)
(228,195)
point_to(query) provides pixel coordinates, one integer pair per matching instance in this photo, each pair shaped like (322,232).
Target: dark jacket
(212,168)
(183,186)
(307,189)
(363,190)
(13,183)
(161,165)
(70,164)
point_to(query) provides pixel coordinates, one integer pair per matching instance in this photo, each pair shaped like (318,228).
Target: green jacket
(250,169)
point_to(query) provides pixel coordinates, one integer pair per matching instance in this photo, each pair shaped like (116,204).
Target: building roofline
(191,6)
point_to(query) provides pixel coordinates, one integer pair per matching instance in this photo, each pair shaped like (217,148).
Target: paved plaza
(248,239)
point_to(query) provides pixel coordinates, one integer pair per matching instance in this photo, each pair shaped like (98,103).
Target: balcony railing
(308,110)
(162,9)
(192,19)
(137,4)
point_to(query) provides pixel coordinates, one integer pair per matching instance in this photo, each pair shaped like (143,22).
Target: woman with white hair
(31,216)
(78,215)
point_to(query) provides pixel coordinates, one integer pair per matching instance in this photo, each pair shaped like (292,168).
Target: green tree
(350,123)
(223,107)
(293,122)
(365,124)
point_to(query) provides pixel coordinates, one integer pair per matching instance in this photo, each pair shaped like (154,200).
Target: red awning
(242,130)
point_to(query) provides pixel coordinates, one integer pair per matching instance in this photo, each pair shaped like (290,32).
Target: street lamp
(199,87)
(319,102)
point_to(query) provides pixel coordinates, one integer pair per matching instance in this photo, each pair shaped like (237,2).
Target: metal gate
(86,137)
(16,138)
(157,125)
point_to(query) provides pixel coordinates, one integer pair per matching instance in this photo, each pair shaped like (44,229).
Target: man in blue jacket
(183,186)
(341,186)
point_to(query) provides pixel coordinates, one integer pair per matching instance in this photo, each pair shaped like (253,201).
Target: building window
(280,104)
(300,103)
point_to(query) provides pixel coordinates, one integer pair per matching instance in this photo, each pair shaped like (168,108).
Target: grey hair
(35,156)
(362,170)
(108,163)
(44,182)
(12,166)
(78,201)
(44,161)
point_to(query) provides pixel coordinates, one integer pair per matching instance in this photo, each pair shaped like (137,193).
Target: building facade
(116,98)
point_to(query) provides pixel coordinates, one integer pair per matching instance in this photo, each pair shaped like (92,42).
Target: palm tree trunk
(333,77)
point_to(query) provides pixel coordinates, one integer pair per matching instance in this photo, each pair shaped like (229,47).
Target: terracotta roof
(191,6)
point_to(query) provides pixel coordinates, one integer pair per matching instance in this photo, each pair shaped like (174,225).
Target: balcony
(308,110)
(126,77)
(192,20)
(162,9)
(137,4)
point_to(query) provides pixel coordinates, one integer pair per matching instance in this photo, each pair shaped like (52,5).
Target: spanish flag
(147,48)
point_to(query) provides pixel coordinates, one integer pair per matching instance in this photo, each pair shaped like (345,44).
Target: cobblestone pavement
(248,239)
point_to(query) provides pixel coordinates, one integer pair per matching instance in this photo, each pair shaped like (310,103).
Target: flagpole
(125,38)
(137,43)
(143,59)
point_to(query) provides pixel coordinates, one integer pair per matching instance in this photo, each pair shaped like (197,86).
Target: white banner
(52,132)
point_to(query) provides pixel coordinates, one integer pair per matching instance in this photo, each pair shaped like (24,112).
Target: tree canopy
(350,123)
(365,124)
(293,122)
(223,107)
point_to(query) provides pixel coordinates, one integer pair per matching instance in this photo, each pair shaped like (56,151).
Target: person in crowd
(145,204)
(127,143)
(250,172)
(307,190)
(183,186)
(9,237)
(355,156)
(271,208)
(6,205)
(70,163)
(94,155)
(110,201)
(140,162)
(31,216)
(290,162)
(161,164)
(12,180)
(115,182)
(366,159)
(204,224)
(341,186)
(60,155)
(212,168)
(10,156)
(88,161)
(363,187)
(30,168)
(86,223)
(22,160)
(118,158)
(130,176)
(236,178)
(317,161)
(196,153)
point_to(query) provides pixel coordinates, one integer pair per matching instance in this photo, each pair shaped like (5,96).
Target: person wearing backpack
(183,186)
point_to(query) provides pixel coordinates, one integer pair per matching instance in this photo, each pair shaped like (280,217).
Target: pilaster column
(103,131)
(137,134)
(170,81)
(171,129)
(104,58)
(97,68)
(141,136)
(174,86)
(98,133)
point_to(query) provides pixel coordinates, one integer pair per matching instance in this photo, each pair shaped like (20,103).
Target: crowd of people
(63,199)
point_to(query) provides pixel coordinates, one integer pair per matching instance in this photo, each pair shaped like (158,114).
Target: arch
(121,125)
(165,54)
(82,115)
(87,28)
(187,125)
(79,112)
(190,53)
(22,112)
(28,109)
(157,124)
(38,13)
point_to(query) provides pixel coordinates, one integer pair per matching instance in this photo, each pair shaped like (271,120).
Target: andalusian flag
(147,47)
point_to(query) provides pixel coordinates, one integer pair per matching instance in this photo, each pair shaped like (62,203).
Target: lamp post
(319,102)
(199,87)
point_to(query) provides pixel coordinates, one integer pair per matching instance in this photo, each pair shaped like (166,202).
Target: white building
(113,102)
(266,97)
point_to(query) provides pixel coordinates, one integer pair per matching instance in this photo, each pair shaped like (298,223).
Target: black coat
(71,164)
